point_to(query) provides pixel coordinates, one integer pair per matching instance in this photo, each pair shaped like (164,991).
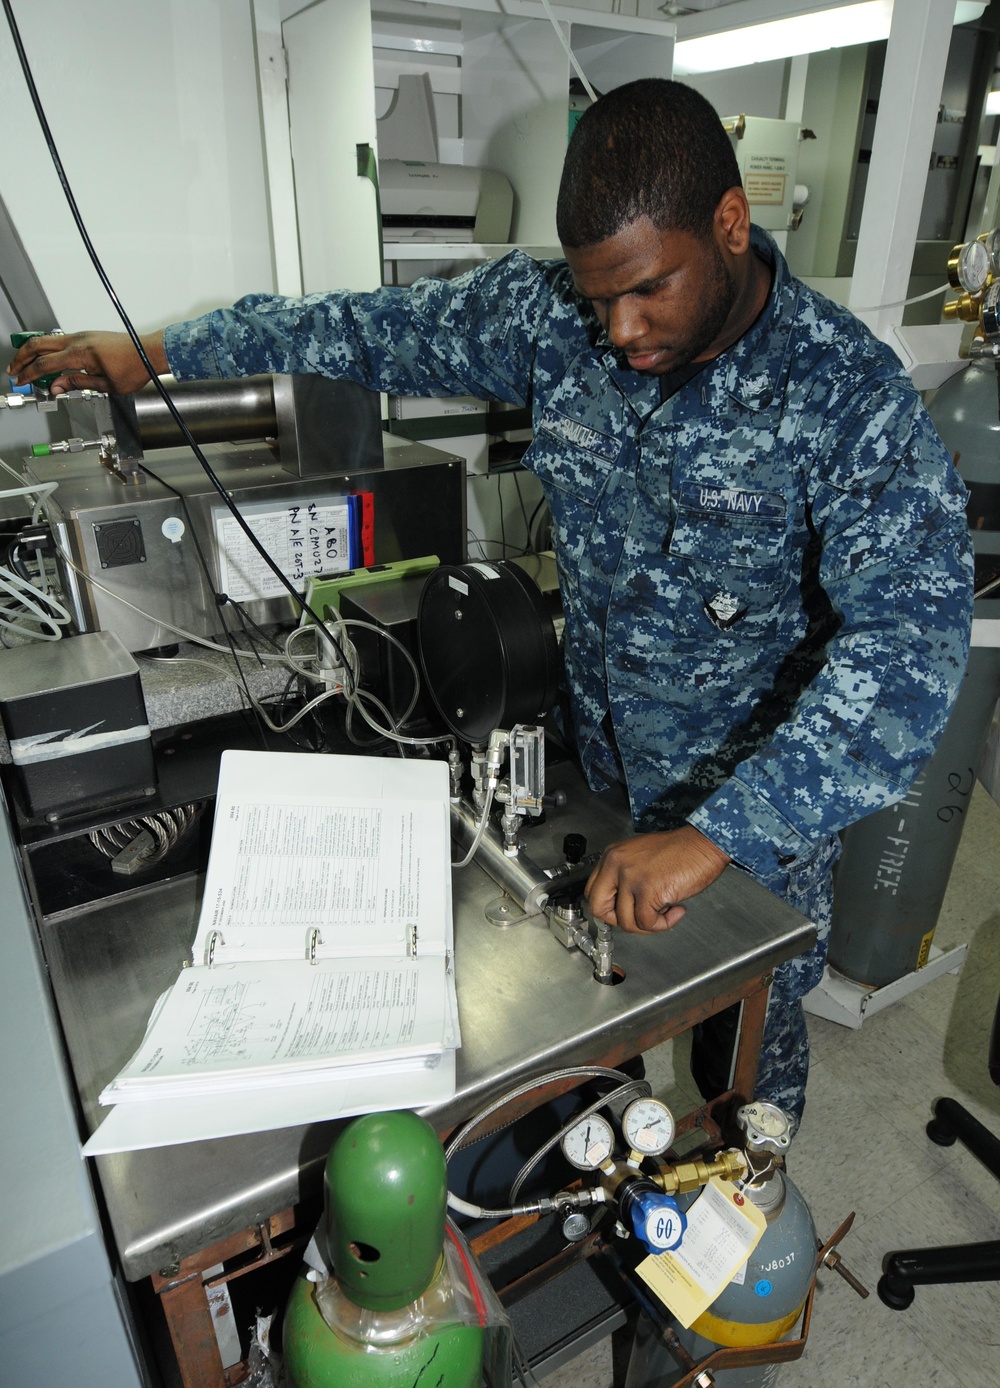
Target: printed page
(244,1022)
(327,854)
(131,1127)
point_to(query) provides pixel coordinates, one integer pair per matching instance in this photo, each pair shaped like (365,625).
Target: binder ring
(214,939)
(315,938)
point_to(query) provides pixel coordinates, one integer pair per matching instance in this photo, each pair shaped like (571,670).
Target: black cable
(316,743)
(503,532)
(16,563)
(137,344)
(531,521)
(524,514)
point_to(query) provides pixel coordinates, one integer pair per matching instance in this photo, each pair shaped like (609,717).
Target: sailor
(762,546)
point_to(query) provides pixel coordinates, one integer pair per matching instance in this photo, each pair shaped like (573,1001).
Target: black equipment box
(76,723)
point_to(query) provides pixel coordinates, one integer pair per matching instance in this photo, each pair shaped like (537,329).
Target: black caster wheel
(941,1133)
(897,1296)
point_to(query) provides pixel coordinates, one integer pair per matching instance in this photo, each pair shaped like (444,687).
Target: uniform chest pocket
(572,455)
(576,480)
(737,567)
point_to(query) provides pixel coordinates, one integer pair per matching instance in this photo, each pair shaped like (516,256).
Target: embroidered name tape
(697,496)
(580,435)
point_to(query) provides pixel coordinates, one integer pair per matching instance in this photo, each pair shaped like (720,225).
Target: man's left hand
(640,882)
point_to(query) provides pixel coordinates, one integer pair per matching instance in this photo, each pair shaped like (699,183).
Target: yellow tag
(723,1229)
(925,949)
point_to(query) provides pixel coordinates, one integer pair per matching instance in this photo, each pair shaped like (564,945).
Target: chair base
(907,1268)
(911,1267)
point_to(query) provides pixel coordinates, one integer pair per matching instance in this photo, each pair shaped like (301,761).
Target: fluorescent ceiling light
(993,104)
(836,26)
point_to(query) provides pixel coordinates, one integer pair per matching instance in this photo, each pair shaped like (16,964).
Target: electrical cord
(29,599)
(30,603)
(356,698)
(524,512)
(258,706)
(350,681)
(172,627)
(127,322)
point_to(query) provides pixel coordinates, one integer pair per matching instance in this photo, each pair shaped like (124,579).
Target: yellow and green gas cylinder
(390,1312)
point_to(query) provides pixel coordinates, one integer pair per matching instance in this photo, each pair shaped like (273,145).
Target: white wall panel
(154,109)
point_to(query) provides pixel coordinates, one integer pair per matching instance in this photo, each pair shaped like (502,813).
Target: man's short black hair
(650,148)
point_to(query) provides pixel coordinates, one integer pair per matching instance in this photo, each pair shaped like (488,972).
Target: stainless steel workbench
(527,1006)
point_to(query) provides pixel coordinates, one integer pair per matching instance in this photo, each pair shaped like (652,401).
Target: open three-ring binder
(320,982)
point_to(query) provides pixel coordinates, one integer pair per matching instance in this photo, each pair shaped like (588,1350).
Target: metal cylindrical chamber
(520,877)
(214,411)
(894,871)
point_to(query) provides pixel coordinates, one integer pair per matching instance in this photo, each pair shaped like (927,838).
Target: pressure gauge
(768,1128)
(590,1143)
(969,267)
(992,243)
(991,313)
(648,1126)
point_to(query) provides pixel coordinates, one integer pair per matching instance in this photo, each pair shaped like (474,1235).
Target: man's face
(664,298)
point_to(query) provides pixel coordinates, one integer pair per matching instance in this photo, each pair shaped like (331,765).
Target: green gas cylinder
(392,1308)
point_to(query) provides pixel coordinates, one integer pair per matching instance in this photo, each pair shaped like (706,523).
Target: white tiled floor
(862,1147)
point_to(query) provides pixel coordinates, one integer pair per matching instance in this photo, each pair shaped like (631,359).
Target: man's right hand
(89,361)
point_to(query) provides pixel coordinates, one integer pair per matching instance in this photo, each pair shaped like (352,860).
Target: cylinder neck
(767,1193)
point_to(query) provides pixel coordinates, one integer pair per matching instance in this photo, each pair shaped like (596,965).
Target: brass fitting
(964,307)
(730,1165)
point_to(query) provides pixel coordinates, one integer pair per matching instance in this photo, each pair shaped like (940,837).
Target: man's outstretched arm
(89,361)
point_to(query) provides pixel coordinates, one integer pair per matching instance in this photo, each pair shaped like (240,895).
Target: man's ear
(731,223)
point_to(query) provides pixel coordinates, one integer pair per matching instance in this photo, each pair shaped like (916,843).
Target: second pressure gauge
(590,1143)
(969,267)
(648,1126)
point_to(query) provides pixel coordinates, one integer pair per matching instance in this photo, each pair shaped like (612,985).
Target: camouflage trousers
(784,1054)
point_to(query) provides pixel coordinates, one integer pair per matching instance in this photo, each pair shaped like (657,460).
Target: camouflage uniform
(766,578)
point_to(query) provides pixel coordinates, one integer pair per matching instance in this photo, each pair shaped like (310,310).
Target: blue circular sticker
(763,1287)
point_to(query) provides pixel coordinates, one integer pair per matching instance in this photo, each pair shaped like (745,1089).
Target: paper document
(356,872)
(306,539)
(287,1017)
(323,955)
(130,1127)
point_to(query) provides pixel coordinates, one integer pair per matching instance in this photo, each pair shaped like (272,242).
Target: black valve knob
(574,847)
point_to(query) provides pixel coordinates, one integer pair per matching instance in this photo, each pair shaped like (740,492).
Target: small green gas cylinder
(391,1309)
